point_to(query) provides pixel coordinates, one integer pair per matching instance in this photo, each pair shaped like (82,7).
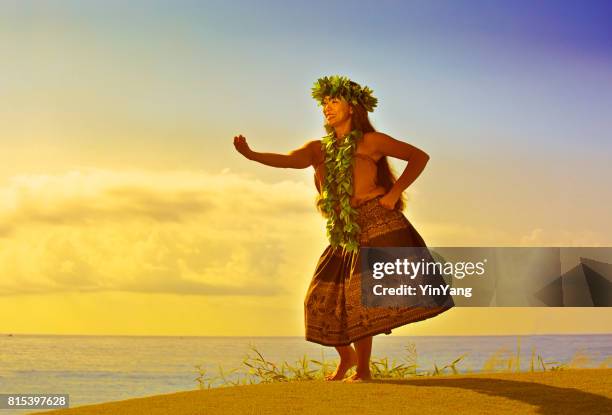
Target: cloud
(176,232)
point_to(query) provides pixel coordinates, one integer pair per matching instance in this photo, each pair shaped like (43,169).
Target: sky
(124,208)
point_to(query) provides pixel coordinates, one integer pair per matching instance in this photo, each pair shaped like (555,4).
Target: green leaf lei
(352,92)
(342,230)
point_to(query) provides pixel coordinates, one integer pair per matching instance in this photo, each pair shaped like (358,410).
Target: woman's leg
(348,359)
(363,348)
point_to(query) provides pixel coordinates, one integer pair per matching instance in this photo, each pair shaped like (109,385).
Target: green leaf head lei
(341,86)
(342,229)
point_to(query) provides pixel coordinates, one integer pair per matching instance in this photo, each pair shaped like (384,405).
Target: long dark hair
(385,175)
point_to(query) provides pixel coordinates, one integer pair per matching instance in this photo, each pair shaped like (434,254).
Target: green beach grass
(257,369)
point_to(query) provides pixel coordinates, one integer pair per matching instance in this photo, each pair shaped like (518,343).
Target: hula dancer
(362,201)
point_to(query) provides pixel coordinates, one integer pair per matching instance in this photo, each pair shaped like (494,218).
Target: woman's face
(336,110)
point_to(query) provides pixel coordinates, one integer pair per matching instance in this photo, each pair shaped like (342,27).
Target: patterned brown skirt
(333,310)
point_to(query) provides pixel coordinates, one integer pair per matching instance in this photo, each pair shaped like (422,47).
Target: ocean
(93,369)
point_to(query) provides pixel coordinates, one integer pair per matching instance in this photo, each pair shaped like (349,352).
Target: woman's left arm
(416,158)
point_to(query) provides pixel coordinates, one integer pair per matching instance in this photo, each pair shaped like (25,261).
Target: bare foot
(358,377)
(343,367)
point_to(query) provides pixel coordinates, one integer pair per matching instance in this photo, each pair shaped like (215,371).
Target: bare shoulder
(374,137)
(310,147)
(381,144)
(372,143)
(314,143)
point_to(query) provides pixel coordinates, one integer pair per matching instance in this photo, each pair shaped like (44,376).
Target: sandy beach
(573,391)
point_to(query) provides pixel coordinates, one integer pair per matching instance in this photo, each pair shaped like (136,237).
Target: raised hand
(241,146)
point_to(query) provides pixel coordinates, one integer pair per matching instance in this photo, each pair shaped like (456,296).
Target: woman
(362,201)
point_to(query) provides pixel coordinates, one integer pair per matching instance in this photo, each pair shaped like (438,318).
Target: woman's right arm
(297,159)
